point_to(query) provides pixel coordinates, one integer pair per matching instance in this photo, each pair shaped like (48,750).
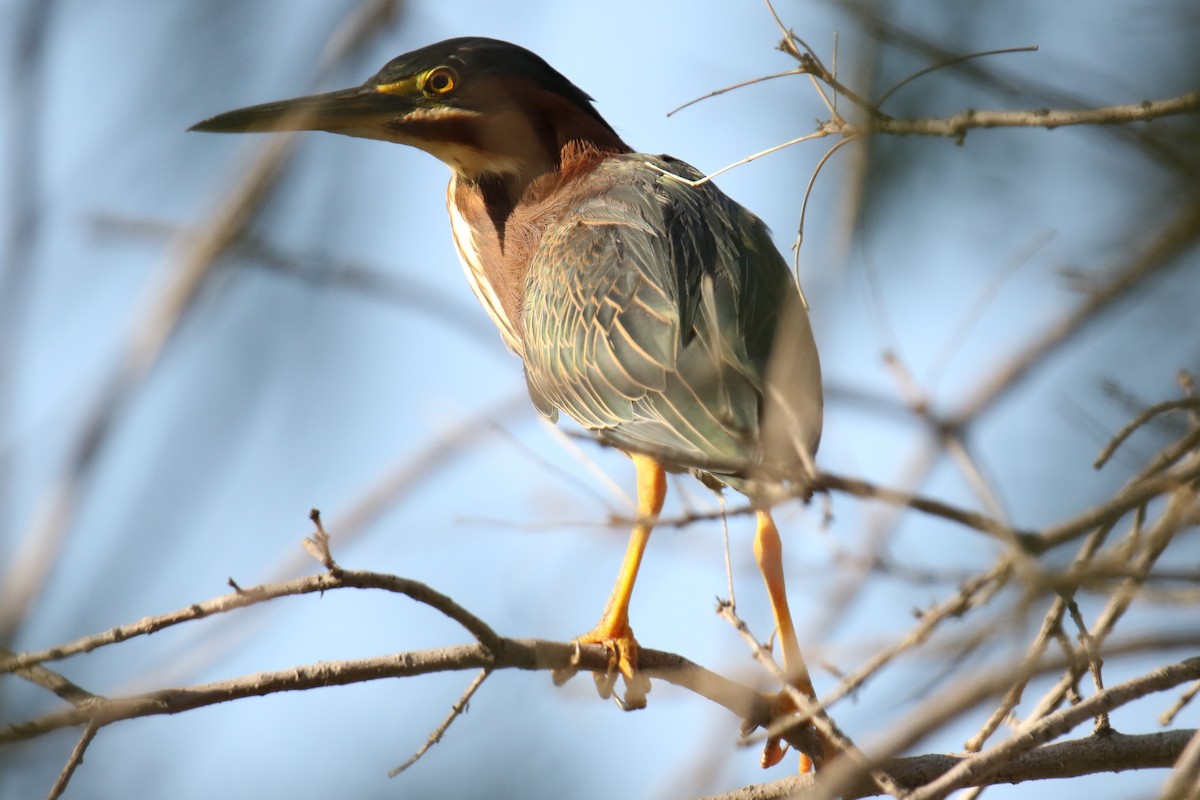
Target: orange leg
(613,630)
(768,551)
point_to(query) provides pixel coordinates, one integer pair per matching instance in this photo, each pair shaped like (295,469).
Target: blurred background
(174,398)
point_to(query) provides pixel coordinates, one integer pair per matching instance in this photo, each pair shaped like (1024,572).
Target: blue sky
(276,392)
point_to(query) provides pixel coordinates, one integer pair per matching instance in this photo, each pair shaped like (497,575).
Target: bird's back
(660,315)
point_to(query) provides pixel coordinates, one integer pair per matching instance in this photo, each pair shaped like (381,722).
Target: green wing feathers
(650,315)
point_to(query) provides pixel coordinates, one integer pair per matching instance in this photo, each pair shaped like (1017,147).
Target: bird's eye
(441,81)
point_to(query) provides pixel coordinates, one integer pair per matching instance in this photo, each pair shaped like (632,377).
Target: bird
(644,303)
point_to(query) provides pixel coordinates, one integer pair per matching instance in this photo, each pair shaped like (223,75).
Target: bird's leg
(768,552)
(613,630)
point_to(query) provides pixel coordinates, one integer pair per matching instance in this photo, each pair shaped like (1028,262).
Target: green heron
(644,302)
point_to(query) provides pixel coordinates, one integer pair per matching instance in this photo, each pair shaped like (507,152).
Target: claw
(816,749)
(561,676)
(622,662)
(605,683)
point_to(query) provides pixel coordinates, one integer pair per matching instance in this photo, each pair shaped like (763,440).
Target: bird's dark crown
(478,57)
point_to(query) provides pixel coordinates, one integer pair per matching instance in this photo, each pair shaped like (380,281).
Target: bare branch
(950,62)
(1184,781)
(1031,735)
(971,519)
(739,85)
(1168,716)
(526,654)
(1136,493)
(1115,752)
(1051,624)
(459,707)
(956,126)
(73,762)
(317,545)
(967,597)
(1186,403)
(1174,238)
(163,309)
(345,579)
(49,679)
(808,709)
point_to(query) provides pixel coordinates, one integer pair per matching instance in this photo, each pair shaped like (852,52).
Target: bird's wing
(649,315)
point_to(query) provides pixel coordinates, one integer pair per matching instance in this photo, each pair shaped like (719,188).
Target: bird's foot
(814,747)
(622,662)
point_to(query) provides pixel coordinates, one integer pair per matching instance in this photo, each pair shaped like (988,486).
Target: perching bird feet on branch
(815,748)
(622,663)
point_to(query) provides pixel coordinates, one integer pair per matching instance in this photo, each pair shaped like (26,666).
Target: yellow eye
(441,81)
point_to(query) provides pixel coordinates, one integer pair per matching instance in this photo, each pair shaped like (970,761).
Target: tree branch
(957,125)
(979,765)
(1115,752)
(241,598)
(526,654)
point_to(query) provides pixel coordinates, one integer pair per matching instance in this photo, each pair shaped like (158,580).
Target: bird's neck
(498,224)
(540,141)
(539,166)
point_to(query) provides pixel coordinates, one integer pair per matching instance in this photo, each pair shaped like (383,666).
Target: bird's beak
(355,111)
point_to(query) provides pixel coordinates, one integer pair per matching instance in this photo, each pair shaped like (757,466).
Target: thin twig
(163,310)
(819,134)
(812,182)
(1186,403)
(456,710)
(971,316)
(399,286)
(1157,540)
(73,762)
(55,682)
(317,545)
(971,519)
(740,85)
(808,709)
(1136,493)
(1168,716)
(1051,624)
(1168,243)
(966,598)
(950,62)
(312,584)
(1095,665)
(728,558)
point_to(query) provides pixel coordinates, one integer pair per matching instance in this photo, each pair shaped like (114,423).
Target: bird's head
(487,108)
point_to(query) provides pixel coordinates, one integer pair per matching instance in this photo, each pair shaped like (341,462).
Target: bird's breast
(472,253)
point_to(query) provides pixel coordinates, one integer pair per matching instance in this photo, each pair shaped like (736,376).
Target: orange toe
(818,750)
(623,653)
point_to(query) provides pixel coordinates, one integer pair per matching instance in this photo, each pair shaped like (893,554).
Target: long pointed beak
(353,111)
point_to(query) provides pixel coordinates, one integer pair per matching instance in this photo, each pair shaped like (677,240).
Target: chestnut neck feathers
(527,135)
(498,224)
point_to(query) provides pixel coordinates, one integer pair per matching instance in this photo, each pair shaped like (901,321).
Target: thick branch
(978,766)
(528,654)
(1088,756)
